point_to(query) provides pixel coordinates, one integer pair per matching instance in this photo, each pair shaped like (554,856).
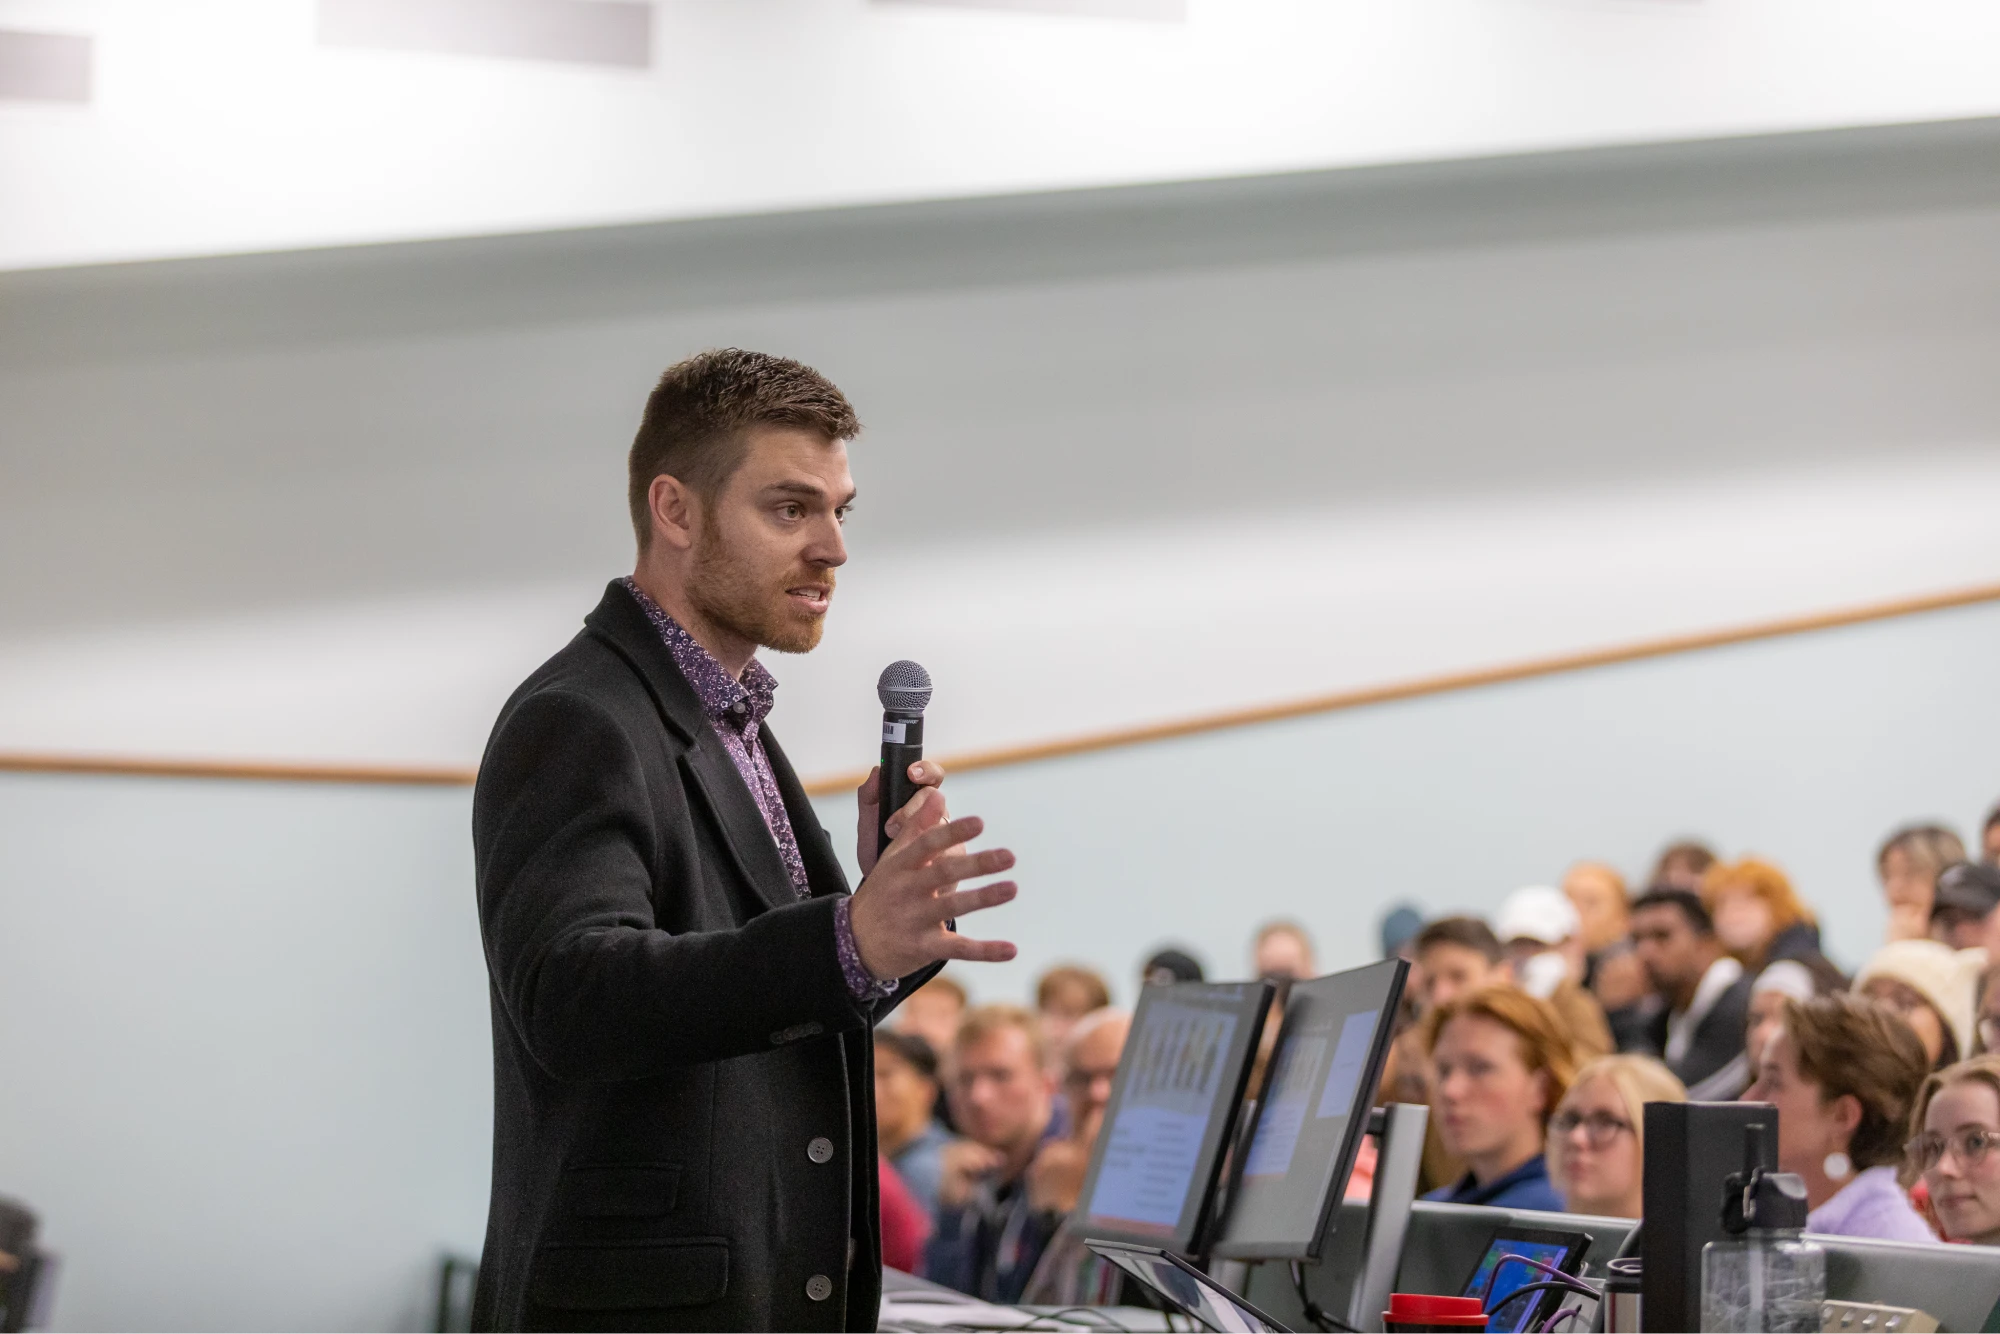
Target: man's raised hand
(901,908)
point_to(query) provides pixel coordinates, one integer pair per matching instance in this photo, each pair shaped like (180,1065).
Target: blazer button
(819,1287)
(820,1150)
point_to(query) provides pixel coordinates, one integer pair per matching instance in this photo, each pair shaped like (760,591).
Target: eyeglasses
(1970,1146)
(1599,1128)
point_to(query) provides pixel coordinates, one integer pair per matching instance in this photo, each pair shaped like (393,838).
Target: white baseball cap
(1539,912)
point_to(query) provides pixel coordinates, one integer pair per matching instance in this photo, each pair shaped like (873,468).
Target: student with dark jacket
(1699,1032)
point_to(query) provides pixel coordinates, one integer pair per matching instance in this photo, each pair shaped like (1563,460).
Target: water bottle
(1764,1276)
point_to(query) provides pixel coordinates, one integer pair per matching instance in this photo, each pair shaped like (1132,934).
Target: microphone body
(905,691)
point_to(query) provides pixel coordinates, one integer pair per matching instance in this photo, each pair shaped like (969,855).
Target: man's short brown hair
(1468,933)
(987,1020)
(696,419)
(1068,981)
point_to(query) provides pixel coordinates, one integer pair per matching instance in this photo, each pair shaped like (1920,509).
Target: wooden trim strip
(416,775)
(250,770)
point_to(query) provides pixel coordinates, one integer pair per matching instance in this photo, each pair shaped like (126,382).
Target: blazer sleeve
(562,822)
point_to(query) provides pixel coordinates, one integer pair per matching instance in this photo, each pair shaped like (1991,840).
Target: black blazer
(683,1087)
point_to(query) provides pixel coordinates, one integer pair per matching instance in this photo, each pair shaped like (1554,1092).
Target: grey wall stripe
(591,32)
(44,67)
(1171,11)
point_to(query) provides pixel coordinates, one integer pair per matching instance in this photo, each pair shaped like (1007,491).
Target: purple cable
(1567,1313)
(1532,1263)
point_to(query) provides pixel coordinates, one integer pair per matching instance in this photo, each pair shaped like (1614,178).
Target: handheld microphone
(904,689)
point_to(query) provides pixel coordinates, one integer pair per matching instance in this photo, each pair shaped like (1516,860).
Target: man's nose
(829,545)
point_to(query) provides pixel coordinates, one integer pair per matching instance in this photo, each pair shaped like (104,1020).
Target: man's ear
(675,512)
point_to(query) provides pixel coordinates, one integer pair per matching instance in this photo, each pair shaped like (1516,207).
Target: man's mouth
(810,598)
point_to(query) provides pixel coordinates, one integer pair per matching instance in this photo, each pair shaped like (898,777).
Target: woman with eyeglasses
(1596,1143)
(1958,1120)
(1844,1072)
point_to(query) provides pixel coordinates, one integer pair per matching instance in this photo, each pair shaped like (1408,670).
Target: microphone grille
(905,687)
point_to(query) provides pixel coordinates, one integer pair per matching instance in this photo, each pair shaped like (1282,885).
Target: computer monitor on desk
(1960,1285)
(1172,1115)
(1313,1113)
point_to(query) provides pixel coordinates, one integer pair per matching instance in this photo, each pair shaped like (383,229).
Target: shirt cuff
(861,984)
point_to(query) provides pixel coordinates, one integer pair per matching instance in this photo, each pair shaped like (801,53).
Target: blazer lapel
(823,870)
(712,774)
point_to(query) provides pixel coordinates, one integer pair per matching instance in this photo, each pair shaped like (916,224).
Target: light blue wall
(244,1056)
(244,1071)
(1806,749)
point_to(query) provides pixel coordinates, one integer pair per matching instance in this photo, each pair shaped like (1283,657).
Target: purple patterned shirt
(736,710)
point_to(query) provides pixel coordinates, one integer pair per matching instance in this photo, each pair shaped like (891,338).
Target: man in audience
(989,1235)
(1700,1032)
(1456,955)
(1063,995)
(1283,951)
(1681,865)
(1541,932)
(1398,932)
(1989,837)
(1069,1273)
(1089,1065)
(1611,971)
(933,1012)
(1908,864)
(1168,966)
(906,1127)
(1962,907)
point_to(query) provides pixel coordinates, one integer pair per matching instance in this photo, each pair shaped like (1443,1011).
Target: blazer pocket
(630,1276)
(626,1190)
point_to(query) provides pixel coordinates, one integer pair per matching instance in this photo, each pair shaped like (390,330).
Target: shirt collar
(742,704)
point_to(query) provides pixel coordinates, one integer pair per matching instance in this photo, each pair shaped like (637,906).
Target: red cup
(1414,1311)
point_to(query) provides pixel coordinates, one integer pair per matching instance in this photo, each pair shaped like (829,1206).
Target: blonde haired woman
(1958,1128)
(1597,1137)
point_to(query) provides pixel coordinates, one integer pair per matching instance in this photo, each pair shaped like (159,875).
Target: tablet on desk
(1496,1276)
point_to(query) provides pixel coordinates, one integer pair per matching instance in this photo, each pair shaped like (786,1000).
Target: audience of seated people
(1844,1074)
(1711,985)
(1282,951)
(1501,1063)
(1704,994)
(1597,1137)
(988,1235)
(907,1130)
(1934,987)
(1962,907)
(1908,864)
(1957,1125)
(1063,995)
(1540,931)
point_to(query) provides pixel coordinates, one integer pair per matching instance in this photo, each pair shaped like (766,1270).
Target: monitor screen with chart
(1172,1112)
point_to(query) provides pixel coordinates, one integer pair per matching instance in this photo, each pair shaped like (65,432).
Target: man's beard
(731,597)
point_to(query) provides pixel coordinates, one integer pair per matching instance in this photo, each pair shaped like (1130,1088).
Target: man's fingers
(870,791)
(935,840)
(972,900)
(919,812)
(950,870)
(978,951)
(927,773)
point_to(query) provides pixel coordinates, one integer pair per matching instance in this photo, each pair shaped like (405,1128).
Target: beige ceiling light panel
(1168,11)
(588,32)
(44,67)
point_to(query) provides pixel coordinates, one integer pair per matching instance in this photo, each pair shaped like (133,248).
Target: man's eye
(840,515)
(793,511)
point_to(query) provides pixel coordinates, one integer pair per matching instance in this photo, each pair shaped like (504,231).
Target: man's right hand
(901,908)
(963,1165)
